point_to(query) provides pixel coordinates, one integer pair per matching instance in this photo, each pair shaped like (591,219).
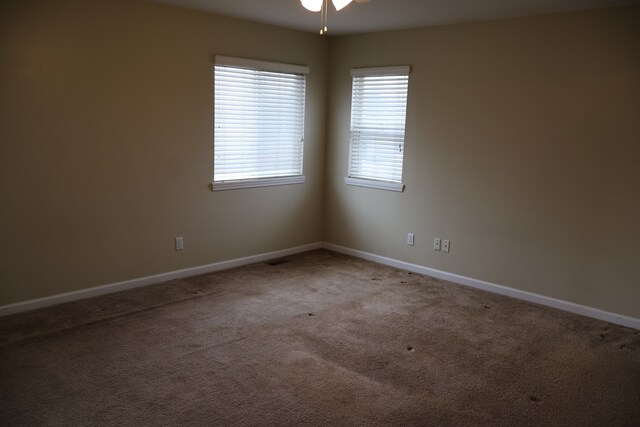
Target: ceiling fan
(322,6)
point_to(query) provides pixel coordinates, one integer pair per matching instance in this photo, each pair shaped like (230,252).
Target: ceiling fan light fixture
(322,6)
(340,4)
(312,5)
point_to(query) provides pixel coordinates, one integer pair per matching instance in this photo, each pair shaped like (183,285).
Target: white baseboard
(492,287)
(150,280)
(238,262)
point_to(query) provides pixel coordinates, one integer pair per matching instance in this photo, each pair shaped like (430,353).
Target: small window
(258,122)
(378,111)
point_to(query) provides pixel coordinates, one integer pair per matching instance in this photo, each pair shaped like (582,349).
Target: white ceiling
(380,15)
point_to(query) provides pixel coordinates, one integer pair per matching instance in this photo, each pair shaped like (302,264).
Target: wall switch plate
(410,237)
(179,244)
(445,246)
(436,244)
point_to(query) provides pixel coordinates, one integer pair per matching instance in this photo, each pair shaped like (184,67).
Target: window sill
(380,185)
(262,182)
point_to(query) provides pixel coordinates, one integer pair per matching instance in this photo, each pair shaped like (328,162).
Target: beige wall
(106,144)
(522,148)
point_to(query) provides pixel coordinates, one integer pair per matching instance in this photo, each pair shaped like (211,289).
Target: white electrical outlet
(410,237)
(436,244)
(179,244)
(445,246)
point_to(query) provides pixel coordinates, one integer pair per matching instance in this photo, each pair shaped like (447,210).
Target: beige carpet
(323,339)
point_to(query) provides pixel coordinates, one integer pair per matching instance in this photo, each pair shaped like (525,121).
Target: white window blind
(259,120)
(378,111)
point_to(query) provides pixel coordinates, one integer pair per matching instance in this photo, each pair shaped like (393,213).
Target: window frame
(266,66)
(364,181)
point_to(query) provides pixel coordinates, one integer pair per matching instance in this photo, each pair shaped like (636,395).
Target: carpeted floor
(321,339)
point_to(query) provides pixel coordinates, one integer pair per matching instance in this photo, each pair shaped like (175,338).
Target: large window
(259,123)
(378,110)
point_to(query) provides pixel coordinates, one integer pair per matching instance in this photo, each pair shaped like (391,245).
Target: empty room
(320,212)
